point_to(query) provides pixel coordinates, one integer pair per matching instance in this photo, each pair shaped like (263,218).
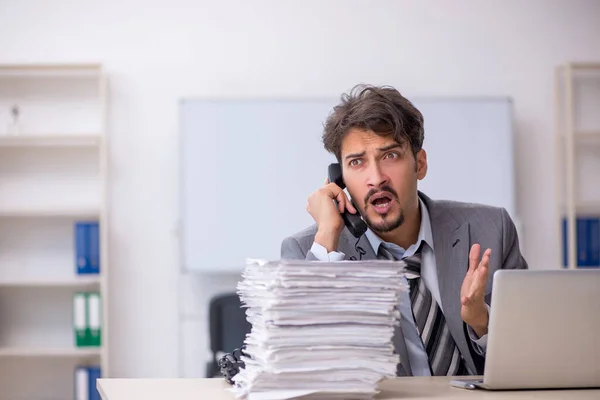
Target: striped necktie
(443,355)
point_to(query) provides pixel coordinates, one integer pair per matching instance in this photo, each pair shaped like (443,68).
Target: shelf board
(585,65)
(51,282)
(51,140)
(585,137)
(587,133)
(67,352)
(50,70)
(585,207)
(36,212)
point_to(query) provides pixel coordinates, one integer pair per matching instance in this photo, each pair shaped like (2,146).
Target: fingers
(341,202)
(464,300)
(337,194)
(483,268)
(474,257)
(344,202)
(485,260)
(474,262)
(479,275)
(350,207)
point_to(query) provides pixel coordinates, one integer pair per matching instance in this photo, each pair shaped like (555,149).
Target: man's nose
(376,177)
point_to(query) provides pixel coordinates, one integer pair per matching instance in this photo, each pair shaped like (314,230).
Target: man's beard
(387,225)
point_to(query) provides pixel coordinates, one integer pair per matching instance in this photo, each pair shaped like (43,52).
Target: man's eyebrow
(381,150)
(354,155)
(390,147)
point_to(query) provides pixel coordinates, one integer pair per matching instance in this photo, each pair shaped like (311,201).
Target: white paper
(320,330)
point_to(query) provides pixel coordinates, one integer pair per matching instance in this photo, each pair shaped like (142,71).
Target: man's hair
(382,110)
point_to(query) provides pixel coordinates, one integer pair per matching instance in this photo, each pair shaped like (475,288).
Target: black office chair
(228,328)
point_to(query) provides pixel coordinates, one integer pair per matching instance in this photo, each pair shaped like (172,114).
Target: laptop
(543,332)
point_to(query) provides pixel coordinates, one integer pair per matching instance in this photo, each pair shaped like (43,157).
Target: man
(377,135)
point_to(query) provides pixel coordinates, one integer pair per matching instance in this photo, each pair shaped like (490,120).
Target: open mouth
(381,202)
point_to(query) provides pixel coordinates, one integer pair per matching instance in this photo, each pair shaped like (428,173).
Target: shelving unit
(52,174)
(577,101)
(49,352)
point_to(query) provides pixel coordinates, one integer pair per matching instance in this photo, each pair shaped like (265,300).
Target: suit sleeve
(511,255)
(291,249)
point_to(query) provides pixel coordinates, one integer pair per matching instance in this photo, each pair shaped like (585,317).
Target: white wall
(158,52)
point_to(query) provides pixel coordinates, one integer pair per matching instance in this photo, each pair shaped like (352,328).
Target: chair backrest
(228,327)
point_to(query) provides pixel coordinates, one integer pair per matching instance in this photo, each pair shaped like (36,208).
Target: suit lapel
(452,261)
(451,243)
(356,249)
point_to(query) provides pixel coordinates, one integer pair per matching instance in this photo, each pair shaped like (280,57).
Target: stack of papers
(319,329)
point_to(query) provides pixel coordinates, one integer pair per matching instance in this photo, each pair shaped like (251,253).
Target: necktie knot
(412,263)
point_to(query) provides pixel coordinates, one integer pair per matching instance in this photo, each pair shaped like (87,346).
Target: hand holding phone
(331,209)
(353,222)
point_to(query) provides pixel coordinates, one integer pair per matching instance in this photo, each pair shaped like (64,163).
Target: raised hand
(473,309)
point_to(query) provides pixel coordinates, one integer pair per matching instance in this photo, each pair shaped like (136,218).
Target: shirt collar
(425,233)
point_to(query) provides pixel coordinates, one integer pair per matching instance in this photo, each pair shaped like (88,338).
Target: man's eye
(391,155)
(354,163)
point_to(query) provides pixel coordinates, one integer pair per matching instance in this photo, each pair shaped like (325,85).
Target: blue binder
(82,256)
(87,247)
(587,240)
(593,242)
(93,374)
(94,247)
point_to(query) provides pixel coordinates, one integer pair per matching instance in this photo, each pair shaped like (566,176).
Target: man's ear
(421,161)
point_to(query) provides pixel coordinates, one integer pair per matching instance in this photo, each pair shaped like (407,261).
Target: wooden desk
(421,388)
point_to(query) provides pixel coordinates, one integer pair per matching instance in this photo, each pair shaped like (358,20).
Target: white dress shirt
(416,352)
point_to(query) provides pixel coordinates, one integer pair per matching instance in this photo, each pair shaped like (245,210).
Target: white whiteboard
(248,166)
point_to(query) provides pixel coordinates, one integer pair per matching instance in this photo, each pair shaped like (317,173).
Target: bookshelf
(577,185)
(53,174)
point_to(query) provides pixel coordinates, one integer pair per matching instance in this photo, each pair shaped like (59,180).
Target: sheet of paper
(319,329)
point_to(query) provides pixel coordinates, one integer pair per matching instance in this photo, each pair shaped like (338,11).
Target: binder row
(87,247)
(587,238)
(85,382)
(87,319)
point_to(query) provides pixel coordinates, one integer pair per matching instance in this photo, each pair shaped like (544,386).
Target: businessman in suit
(377,135)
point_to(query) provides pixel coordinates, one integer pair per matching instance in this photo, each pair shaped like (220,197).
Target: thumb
(463,300)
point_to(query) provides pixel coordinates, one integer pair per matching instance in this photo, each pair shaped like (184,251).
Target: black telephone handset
(353,222)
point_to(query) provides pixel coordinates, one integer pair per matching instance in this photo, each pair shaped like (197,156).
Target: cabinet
(53,174)
(577,105)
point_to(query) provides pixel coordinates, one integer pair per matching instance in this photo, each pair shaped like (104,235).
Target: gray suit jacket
(456,227)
